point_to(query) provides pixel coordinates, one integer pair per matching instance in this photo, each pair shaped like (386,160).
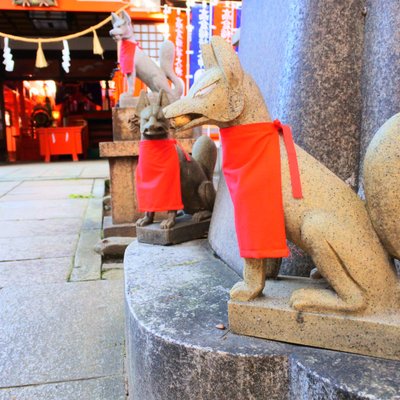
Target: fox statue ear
(114,18)
(142,103)
(228,61)
(208,56)
(126,16)
(163,100)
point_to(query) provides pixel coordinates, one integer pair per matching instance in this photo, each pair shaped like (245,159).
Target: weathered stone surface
(334,375)
(59,170)
(29,248)
(272,317)
(110,229)
(40,227)
(175,296)
(6,187)
(113,274)
(87,262)
(36,347)
(222,234)
(314,69)
(28,272)
(131,148)
(122,189)
(123,128)
(184,231)
(91,389)
(113,246)
(42,209)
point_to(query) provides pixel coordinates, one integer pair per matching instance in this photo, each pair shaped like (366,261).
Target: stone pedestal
(271,317)
(122,156)
(184,231)
(176,299)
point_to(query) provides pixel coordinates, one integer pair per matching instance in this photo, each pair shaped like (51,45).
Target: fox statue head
(153,124)
(217,96)
(122,26)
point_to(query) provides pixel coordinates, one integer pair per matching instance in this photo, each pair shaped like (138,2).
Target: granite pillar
(381,67)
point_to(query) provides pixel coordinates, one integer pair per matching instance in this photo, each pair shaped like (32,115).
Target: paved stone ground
(61,324)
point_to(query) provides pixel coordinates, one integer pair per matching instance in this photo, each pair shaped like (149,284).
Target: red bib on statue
(252,170)
(158,183)
(127,56)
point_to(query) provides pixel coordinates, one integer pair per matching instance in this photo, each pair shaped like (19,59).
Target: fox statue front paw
(144,221)
(167,223)
(243,292)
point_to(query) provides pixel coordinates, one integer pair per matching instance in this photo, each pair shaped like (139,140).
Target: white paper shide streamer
(66,58)
(8,60)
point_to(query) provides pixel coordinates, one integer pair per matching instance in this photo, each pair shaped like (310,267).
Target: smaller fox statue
(134,61)
(187,184)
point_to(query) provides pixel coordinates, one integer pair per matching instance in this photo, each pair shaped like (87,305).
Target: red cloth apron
(127,56)
(252,169)
(158,182)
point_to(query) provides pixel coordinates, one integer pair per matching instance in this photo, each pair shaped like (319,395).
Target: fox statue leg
(330,244)
(206,192)
(146,220)
(255,271)
(170,221)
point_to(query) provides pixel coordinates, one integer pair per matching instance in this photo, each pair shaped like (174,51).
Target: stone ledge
(175,296)
(130,148)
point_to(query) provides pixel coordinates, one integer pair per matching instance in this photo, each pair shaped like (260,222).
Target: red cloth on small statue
(158,181)
(127,56)
(252,170)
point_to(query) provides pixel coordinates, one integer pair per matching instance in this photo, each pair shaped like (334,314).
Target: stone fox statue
(350,240)
(133,60)
(195,172)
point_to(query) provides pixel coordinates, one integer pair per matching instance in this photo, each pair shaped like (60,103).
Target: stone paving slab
(55,170)
(54,183)
(48,193)
(28,272)
(5,187)
(29,248)
(87,263)
(61,332)
(44,210)
(49,227)
(108,388)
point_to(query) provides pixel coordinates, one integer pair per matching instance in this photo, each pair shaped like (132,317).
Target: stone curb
(87,263)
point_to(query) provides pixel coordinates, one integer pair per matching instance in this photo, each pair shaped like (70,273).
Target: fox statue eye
(206,89)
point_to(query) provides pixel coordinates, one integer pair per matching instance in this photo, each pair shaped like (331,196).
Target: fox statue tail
(205,153)
(381,184)
(167,57)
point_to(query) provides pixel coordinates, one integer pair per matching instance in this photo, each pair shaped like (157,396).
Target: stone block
(124,127)
(184,231)
(271,317)
(110,229)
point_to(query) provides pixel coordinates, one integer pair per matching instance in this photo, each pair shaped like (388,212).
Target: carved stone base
(184,230)
(271,317)
(124,230)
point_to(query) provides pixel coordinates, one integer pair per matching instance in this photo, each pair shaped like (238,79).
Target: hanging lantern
(97,49)
(8,60)
(40,58)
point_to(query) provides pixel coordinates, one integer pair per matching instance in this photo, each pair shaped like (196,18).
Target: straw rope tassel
(97,49)
(40,58)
